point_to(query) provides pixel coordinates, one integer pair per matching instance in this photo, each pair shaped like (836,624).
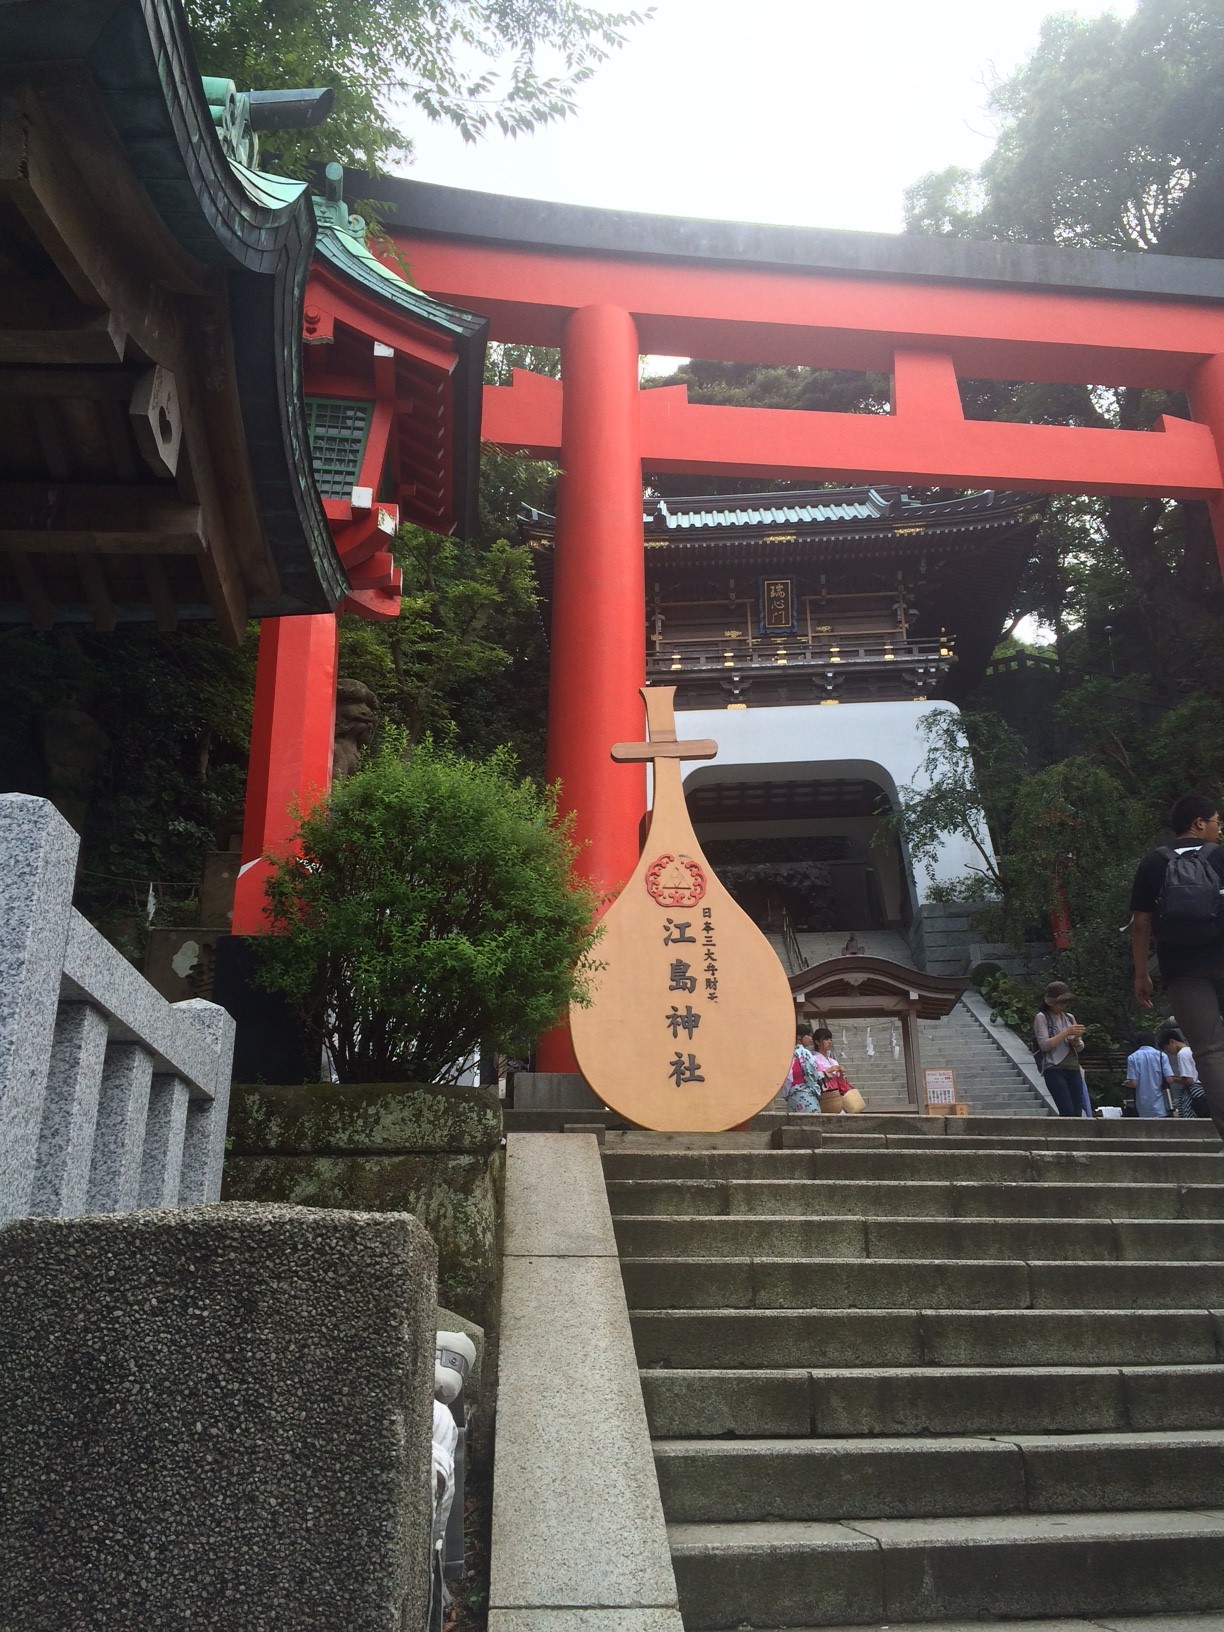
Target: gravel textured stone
(215,1417)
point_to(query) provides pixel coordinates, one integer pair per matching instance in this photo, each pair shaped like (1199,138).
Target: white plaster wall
(879,742)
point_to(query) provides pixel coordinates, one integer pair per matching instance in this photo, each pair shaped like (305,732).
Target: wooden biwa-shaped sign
(691,1024)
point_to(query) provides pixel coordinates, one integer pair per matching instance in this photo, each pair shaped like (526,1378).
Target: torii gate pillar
(598,641)
(1206,395)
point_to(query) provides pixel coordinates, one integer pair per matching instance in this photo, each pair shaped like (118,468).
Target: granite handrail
(110,1097)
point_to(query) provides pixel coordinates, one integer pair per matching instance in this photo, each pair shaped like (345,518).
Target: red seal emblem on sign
(675,881)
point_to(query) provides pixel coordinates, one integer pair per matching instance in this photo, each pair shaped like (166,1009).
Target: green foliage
(976,888)
(431,909)
(971,775)
(1105,134)
(1012,1002)
(474,64)
(465,659)
(1076,831)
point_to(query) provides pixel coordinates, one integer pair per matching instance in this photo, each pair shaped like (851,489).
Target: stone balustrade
(110,1098)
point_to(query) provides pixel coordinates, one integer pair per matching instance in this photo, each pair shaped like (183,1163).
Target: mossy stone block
(330,1118)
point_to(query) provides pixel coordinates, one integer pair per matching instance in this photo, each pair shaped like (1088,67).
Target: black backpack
(1190,906)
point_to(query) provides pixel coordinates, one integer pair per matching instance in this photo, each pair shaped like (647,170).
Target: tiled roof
(839,512)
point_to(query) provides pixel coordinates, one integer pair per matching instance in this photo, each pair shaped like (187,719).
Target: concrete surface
(577,1521)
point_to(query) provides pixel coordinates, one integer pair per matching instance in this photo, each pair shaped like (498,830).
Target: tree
(431,909)
(1106,133)
(437,668)
(475,64)
(1109,138)
(971,774)
(1074,839)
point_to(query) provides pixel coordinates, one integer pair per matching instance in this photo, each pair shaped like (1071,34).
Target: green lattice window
(338,427)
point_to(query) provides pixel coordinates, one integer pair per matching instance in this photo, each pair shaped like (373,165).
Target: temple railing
(110,1097)
(875,651)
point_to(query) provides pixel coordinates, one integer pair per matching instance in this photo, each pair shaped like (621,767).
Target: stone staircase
(986,1079)
(959,1371)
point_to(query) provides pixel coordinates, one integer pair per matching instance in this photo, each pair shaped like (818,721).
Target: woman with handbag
(839,1094)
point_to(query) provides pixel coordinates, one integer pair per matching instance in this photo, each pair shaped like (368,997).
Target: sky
(794,112)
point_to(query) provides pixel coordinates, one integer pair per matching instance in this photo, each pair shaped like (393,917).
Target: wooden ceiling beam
(97,384)
(219,567)
(148,297)
(50,436)
(97,341)
(51,517)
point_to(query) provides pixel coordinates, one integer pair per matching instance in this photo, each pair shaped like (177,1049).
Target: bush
(430,909)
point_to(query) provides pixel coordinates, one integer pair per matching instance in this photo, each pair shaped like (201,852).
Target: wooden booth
(874,988)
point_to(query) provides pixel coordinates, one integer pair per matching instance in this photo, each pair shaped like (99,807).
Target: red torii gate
(606,286)
(395,377)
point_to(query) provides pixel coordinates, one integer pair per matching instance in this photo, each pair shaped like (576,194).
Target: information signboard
(940,1086)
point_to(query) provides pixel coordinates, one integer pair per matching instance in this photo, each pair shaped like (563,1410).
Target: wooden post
(913,1059)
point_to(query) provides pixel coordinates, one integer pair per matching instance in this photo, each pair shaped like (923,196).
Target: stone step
(828,1236)
(844,1135)
(797,1573)
(905,1283)
(1108,1131)
(904,1198)
(724,1482)
(1208,1622)
(1105,1165)
(901,1198)
(890,1401)
(781,1338)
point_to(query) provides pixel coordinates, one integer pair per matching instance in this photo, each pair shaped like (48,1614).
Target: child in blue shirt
(1147,1071)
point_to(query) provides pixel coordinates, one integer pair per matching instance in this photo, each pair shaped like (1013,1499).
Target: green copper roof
(342,241)
(837,510)
(272,192)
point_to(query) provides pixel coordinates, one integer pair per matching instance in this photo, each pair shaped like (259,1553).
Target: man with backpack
(1178,894)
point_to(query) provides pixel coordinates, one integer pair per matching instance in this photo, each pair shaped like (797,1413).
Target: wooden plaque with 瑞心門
(691,1022)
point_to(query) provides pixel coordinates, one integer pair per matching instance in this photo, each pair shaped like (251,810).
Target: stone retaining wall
(944,940)
(396,1147)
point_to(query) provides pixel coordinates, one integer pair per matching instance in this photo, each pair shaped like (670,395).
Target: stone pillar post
(162,1161)
(70,1112)
(38,853)
(123,1107)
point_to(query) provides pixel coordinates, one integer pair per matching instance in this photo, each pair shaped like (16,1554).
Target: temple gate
(605,286)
